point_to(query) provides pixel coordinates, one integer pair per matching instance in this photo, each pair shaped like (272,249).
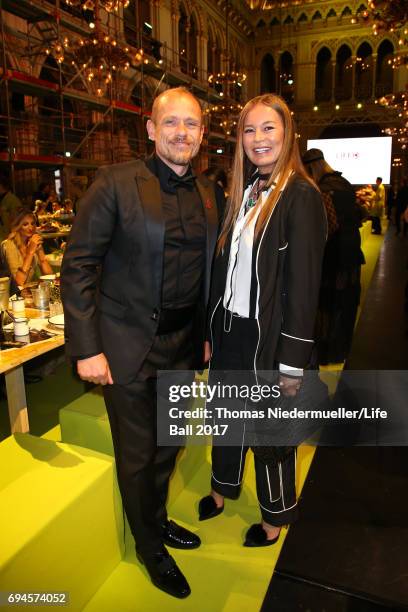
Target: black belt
(171,320)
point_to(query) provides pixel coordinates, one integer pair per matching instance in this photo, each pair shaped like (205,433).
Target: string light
(89,5)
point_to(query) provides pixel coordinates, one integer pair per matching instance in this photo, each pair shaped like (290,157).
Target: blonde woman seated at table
(23,249)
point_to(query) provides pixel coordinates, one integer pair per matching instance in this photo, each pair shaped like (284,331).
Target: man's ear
(151,129)
(202,133)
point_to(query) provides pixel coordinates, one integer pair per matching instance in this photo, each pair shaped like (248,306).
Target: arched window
(217,54)
(287,89)
(317,16)
(188,43)
(192,47)
(275,22)
(364,69)
(331,13)
(346,12)
(260,23)
(183,39)
(385,73)
(210,53)
(323,91)
(288,20)
(268,74)
(344,77)
(302,18)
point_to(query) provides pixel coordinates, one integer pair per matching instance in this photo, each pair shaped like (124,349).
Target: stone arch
(364,71)
(303,18)
(346,12)
(384,71)
(348,42)
(268,74)
(286,68)
(343,76)
(323,74)
(361,9)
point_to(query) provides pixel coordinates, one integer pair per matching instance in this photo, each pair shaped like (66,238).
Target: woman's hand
(34,244)
(207,351)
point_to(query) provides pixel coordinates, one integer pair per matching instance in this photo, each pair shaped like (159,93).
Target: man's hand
(207,351)
(95,369)
(289,385)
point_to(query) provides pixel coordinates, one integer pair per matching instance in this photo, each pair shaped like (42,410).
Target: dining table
(12,362)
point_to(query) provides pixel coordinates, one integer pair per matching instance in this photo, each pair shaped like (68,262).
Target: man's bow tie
(186,181)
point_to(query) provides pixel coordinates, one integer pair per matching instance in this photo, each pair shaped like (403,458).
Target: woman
(23,249)
(264,293)
(340,286)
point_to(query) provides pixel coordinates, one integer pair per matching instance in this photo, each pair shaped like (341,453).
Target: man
(377,208)
(135,285)
(9,205)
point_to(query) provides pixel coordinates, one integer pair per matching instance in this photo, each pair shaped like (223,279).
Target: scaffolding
(51,122)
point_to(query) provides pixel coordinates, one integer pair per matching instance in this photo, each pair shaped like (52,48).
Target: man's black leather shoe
(178,537)
(165,574)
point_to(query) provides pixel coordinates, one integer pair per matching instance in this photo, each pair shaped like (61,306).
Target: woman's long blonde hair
(16,225)
(289,161)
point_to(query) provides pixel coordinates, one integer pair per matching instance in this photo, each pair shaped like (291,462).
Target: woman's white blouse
(239,275)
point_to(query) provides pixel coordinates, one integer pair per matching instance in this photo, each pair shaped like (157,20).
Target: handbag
(274,439)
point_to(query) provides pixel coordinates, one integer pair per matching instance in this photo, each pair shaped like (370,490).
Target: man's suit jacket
(113,264)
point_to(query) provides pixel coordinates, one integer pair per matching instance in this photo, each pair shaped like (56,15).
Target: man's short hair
(180,90)
(379,178)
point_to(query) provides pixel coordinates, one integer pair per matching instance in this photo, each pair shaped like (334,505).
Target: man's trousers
(143,468)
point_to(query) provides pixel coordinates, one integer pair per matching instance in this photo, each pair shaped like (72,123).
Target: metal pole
(61,97)
(9,124)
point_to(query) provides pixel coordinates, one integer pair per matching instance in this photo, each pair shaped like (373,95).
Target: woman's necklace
(253,197)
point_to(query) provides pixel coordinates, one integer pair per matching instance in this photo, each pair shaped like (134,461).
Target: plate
(57,320)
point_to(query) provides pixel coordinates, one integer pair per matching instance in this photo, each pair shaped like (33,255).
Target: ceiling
(273,4)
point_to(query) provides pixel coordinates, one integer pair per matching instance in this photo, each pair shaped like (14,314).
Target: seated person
(68,206)
(23,249)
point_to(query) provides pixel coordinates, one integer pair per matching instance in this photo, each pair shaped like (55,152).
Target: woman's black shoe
(257,536)
(207,508)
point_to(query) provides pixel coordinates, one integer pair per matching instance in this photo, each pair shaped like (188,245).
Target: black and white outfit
(263,305)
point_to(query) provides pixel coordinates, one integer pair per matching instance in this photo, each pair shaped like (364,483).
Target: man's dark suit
(111,286)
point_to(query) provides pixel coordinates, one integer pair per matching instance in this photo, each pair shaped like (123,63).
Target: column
(175,17)
(353,78)
(374,75)
(333,81)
